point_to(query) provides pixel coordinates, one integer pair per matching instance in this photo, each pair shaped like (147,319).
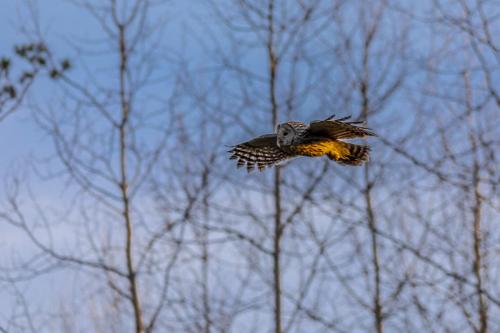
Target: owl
(293,139)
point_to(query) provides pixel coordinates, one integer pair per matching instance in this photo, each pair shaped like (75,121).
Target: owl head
(286,134)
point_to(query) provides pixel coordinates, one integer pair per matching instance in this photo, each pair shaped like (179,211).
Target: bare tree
(107,156)
(163,233)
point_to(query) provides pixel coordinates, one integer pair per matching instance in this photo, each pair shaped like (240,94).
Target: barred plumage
(356,156)
(261,151)
(293,139)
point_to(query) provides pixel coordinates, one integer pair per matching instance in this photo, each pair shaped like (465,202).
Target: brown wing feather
(339,129)
(261,152)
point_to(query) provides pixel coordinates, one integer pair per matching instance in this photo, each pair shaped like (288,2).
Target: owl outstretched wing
(262,152)
(339,129)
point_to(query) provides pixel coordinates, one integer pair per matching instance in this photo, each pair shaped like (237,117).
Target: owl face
(286,135)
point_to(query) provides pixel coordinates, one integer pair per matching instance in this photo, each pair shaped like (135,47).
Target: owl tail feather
(349,153)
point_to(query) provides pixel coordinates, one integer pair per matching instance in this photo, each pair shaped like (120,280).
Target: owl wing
(262,151)
(339,129)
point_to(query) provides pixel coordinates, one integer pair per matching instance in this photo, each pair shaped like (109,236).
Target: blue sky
(62,23)
(22,141)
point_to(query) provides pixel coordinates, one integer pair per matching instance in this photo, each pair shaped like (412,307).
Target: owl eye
(285,133)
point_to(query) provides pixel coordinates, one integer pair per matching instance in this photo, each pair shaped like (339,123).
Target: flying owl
(294,139)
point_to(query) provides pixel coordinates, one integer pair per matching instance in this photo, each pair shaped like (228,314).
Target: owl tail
(349,153)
